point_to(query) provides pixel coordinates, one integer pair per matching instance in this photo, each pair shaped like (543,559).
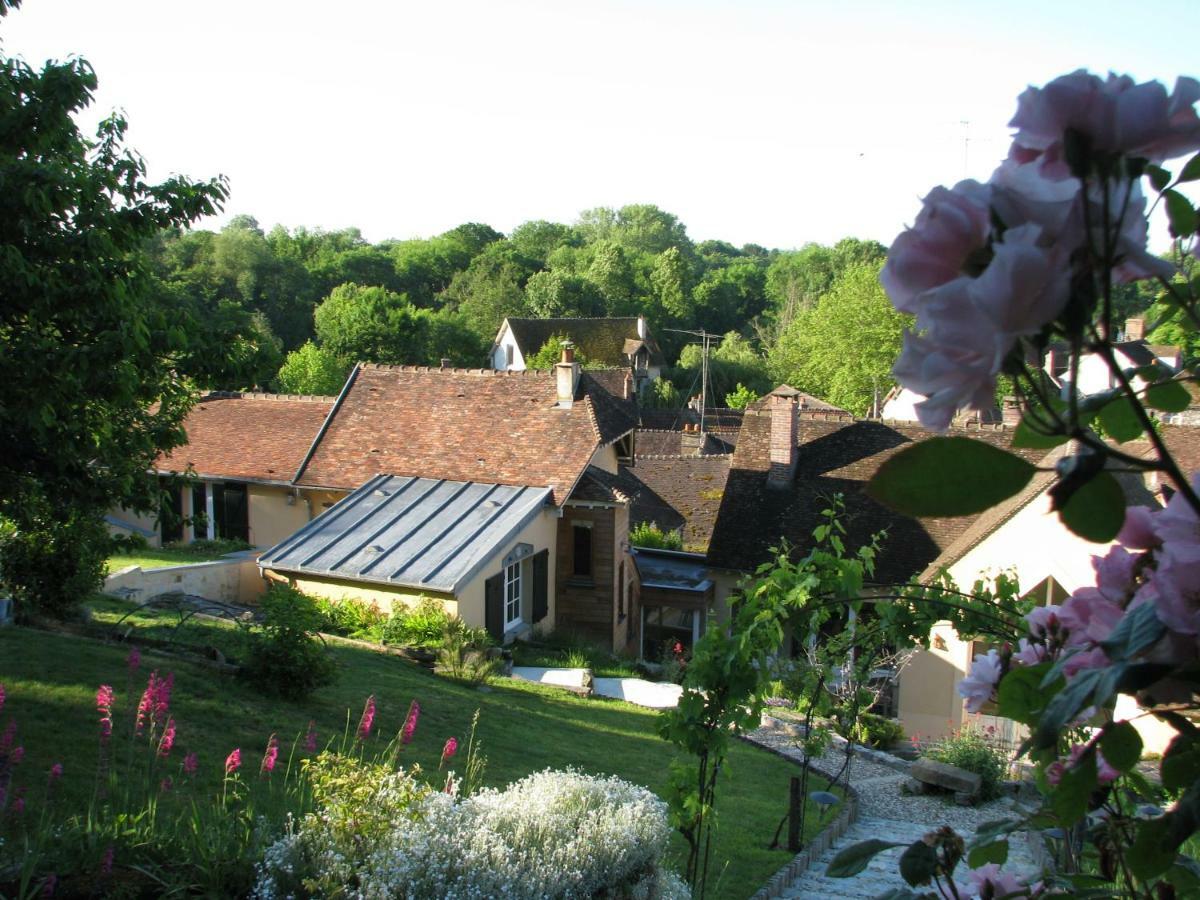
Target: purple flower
(410,723)
(368,719)
(166,784)
(56,772)
(104,702)
(49,885)
(3,696)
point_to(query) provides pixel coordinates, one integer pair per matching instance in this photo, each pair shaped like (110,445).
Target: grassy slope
(51,682)
(153,558)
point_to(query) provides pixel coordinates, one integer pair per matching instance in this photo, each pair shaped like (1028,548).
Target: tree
(92,385)
(551,294)
(371,324)
(312,370)
(490,289)
(740,398)
(550,354)
(842,351)
(731,364)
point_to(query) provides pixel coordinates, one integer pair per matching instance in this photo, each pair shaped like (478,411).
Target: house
(242,453)
(617,343)
(494,492)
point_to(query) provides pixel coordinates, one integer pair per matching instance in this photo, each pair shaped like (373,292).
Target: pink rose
(1025,285)
(1138,531)
(1029,654)
(978,686)
(951,230)
(989,881)
(1114,573)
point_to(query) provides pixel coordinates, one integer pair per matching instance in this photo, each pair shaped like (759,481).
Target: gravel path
(885,813)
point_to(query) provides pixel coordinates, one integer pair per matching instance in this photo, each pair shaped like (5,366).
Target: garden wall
(231,580)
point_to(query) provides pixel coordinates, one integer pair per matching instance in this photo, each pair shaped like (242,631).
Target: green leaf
(918,863)
(1096,511)
(1169,396)
(1138,630)
(1121,745)
(1151,854)
(1181,763)
(1064,707)
(1120,421)
(1021,696)
(1180,213)
(1070,797)
(1191,172)
(1159,177)
(1028,437)
(994,852)
(855,859)
(949,476)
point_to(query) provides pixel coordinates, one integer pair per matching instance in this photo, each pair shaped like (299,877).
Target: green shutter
(493,606)
(541,586)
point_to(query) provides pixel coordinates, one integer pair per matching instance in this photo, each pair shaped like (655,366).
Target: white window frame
(512,595)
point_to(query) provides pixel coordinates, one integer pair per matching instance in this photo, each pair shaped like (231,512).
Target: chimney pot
(445,362)
(568,352)
(566,376)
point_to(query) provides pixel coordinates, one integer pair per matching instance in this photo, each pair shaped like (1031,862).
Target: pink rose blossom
(1114,573)
(1138,531)
(951,230)
(233,761)
(1105,773)
(1024,286)
(270,756)
(410,723)
(978,686)
(1029,654)
(368,719)
(1043,621)
(951,374)
(989,881)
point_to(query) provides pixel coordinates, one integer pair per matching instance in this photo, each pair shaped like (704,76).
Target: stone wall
(232,580)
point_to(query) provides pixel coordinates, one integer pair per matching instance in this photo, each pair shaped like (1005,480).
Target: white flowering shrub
(551,835)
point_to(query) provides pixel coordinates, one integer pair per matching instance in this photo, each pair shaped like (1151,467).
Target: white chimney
(566,376)
(785,434)
(641,327)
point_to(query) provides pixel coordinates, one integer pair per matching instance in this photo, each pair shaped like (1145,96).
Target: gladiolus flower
(134,661)
(368,719)
(3,696)
(8,736)
(410,723)
(270,756)
(233,761)
(168,739)
(190,764)
(16,756)
(310,739)
(50,885)
(106,861)
(450,749)
(104,702)
(18,806)
(56,772)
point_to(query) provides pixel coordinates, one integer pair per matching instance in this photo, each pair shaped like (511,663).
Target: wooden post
(794,815)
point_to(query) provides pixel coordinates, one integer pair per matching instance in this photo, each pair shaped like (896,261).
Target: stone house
(611,342)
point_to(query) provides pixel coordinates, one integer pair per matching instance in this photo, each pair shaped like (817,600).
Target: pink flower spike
(134,662)
(368,719)
(270,756)
(166,784)
(233,761)
(56,772)
(18,806)
(168,739)
(410,723)
(3,696)
(8,736)
(190,764)
(310,739)
(16,756)
(450,749)
(106,861)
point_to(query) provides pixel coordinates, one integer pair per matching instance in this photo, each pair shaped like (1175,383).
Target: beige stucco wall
(271,518)
(234,580)
(384,598)
(1033,545)
(606,458)
(145,521)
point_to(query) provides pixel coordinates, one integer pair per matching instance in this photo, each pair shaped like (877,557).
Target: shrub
(50,564)
(649,535)
(419,626)
(877,731)
(968,749)
(285,657)
(464,653)
(351,617)
(215,547)
(552,834)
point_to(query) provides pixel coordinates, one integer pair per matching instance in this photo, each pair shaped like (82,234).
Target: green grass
(51,682)
(570,652)
(157,558)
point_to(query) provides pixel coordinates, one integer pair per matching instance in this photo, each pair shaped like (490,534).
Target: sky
(775,123)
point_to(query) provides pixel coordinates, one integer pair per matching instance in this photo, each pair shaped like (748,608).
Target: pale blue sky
(775,123)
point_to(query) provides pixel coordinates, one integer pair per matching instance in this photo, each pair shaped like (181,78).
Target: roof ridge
(683,456)
(451,370)
(572,318)
(262,395)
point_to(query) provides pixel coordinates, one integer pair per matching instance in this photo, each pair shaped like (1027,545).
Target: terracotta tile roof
(804,401)
(600,340)
(835,456)
(680,492)
(262,437)
(460,425)
(599,486)
(649,442)
(615,416)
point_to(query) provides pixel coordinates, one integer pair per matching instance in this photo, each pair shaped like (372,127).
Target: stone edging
(783,879)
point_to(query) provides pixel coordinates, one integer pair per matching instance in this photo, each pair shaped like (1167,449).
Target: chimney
(641,327)
(784,435)
(566,376)
(1135,328)
(445,362)
(629,385)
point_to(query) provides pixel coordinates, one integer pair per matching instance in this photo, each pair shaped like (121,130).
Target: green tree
(312,370)
(551,293)
(740,398)
(732,363)
(371,324)
(550,354)
(489,289)
(669,280)
(842,350)
(92,381)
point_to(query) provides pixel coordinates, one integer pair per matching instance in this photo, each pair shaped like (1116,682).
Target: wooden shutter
(541,585)
(493,606)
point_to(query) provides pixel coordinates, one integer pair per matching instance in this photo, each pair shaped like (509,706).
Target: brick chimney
(566,376)
(784,435)
(1135,328)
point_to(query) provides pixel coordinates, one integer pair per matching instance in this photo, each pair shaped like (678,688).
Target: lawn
(159,557)
(51,683)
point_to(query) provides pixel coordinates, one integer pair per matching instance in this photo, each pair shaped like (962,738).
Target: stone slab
(946,776)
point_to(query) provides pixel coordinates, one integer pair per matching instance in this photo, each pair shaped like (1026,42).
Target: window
(583,552)
(512,595)
(508,356)
(621,592)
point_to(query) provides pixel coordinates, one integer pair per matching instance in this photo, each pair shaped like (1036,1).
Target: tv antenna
(705,343)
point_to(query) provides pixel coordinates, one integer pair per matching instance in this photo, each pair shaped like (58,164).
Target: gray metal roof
(423,533)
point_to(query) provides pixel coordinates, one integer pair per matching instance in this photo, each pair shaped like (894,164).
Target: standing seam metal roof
(425,533)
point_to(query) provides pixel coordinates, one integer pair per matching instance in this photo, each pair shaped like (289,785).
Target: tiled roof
(649,442)
(599,486)
(261,437)
(804,401)
(615,416)
(461,425)
(680,492)
(837,456)
(715,418)
(600,340)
